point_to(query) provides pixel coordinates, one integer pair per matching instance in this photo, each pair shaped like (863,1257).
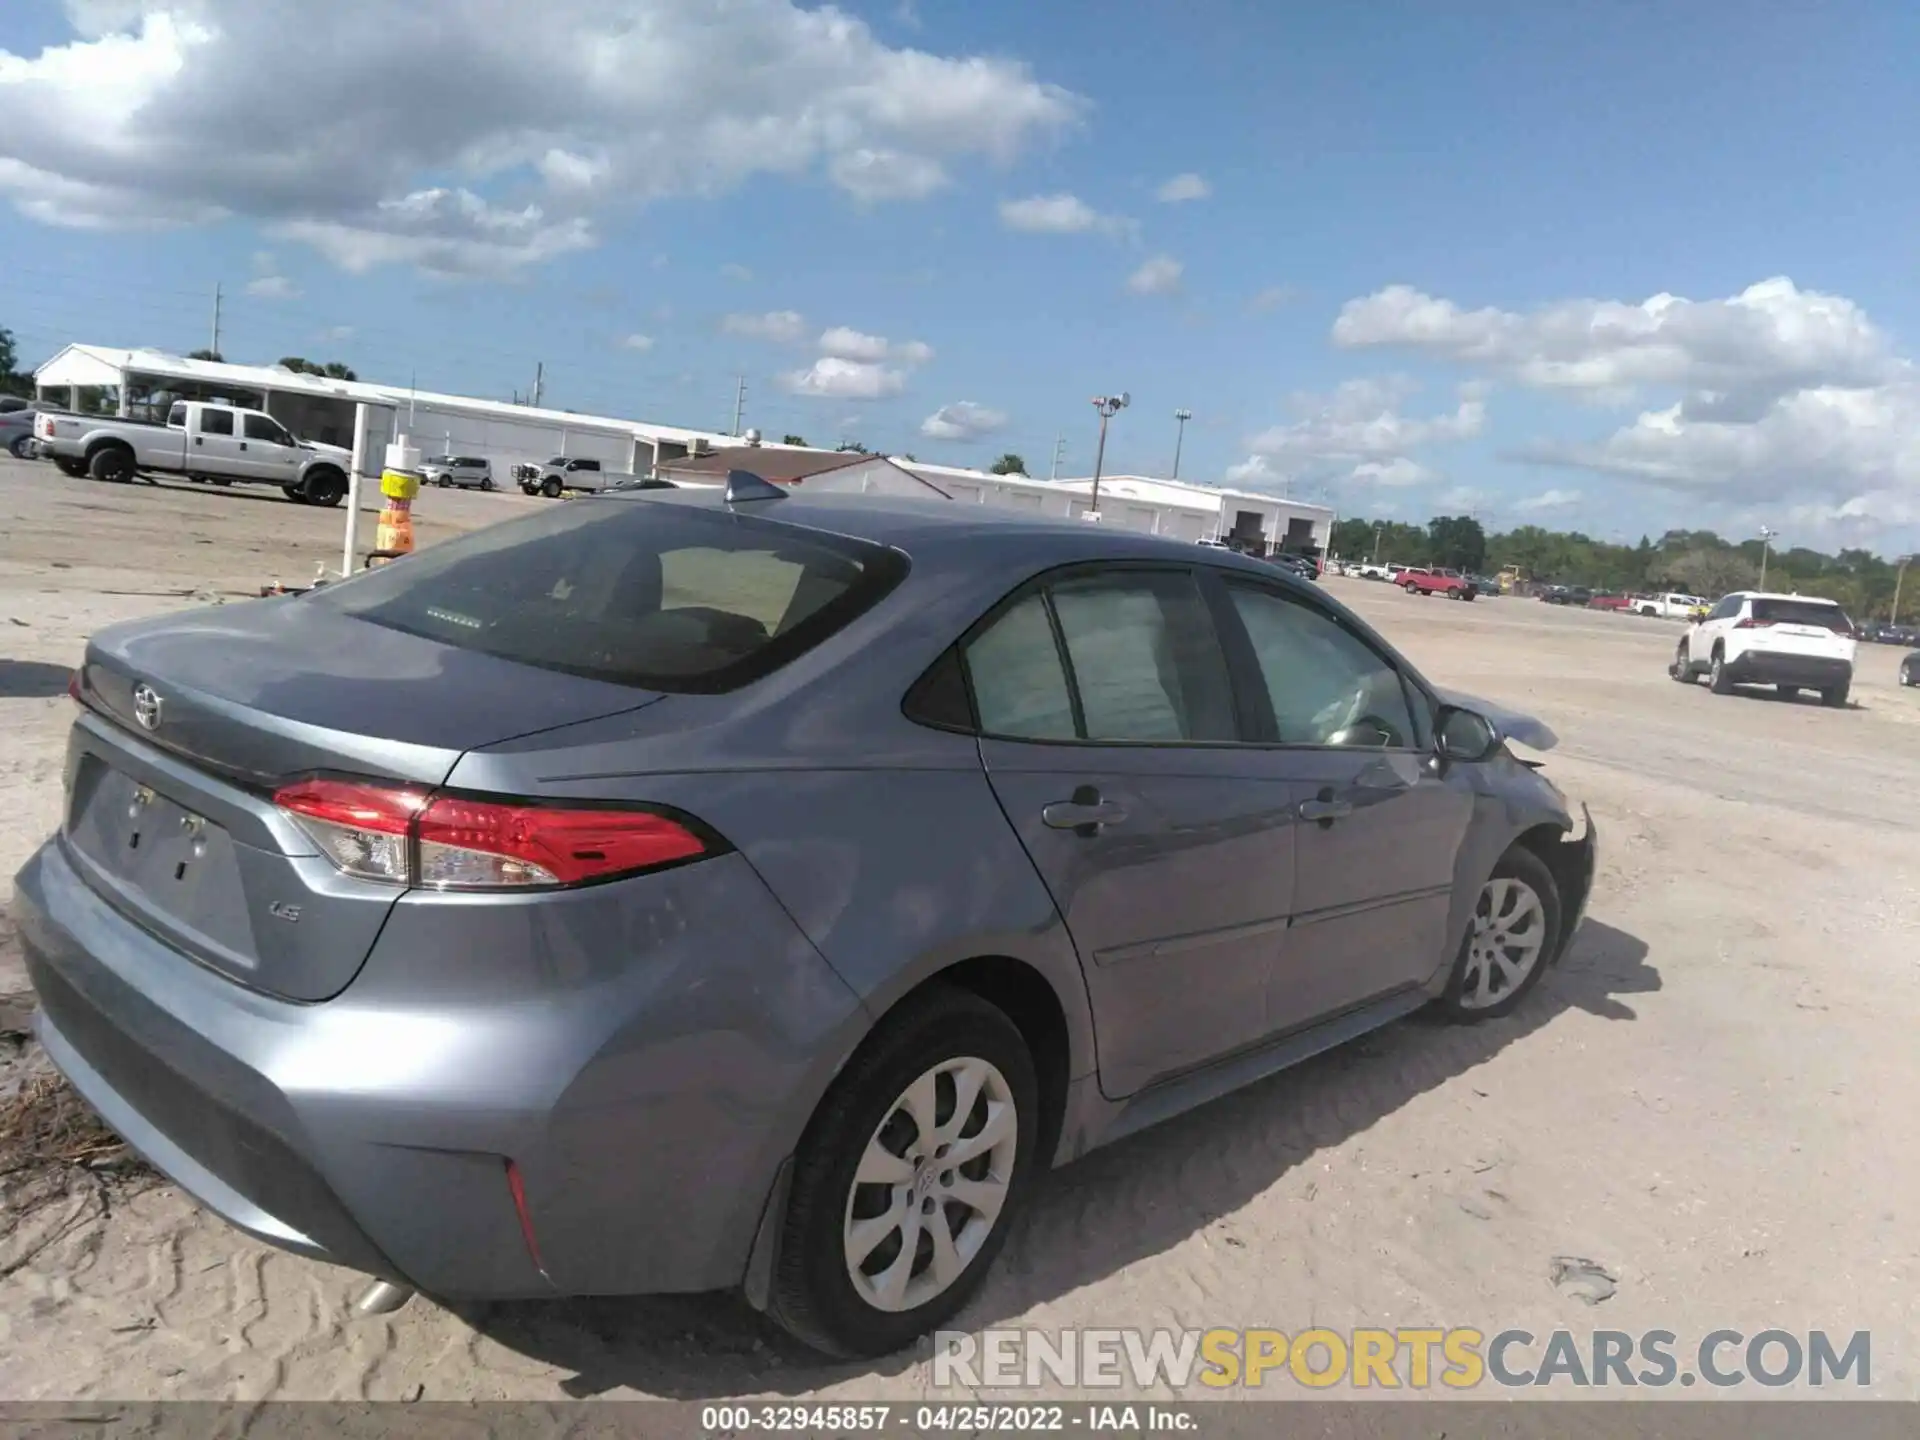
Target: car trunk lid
(193,722)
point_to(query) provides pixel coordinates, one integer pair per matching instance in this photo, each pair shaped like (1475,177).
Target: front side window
(264,427)
(1326,685)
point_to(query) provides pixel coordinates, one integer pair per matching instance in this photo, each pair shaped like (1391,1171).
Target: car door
(1715,625)
(267,451)
(1110,734)
(215,445)
(1381,825)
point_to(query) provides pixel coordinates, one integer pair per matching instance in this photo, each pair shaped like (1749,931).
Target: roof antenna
(744,485)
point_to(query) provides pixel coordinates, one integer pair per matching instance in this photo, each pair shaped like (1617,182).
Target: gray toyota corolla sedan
(679,891)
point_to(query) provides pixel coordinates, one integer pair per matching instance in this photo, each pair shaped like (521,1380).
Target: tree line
(1696,561)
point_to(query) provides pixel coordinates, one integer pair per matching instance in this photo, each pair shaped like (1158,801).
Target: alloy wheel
(931,1184)
(1509,936)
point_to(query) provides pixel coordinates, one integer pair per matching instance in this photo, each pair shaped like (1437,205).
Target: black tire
(550,487)
(1909,676)
(1529,869)
(1682,667)
(111,463)
(21,447)
(1788,692)
(1718,680)
(486,482)
(221,480)
(812,1295)
(294,493)
(73,469)
(1835,697)
(326,488)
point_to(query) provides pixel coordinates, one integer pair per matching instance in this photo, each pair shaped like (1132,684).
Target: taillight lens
(365,830)
(73,689)
(406,837)
(1752,624)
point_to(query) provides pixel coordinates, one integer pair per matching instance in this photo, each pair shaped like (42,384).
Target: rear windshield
(657,596)
(1802,612)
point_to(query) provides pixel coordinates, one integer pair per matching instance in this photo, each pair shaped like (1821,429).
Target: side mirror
(1465,736)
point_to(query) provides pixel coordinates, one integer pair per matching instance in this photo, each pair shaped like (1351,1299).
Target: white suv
(1795,642)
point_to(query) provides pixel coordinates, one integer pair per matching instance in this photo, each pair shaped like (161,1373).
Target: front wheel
(1682,667)
(294,493)
(550,488)
(1509,941)
(908,1178)
(325,487)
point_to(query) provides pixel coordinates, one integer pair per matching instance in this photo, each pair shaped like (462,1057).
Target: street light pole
(1899,579)
(1108,406)
(1767,537)
(1179,438)
(1378,527)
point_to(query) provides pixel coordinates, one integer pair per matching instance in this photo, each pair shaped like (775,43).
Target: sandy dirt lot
(1712,1098)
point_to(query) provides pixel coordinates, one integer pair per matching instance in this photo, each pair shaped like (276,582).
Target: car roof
(1778,595)
(925,527)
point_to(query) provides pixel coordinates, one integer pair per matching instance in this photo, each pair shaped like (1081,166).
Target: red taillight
(1752,624)
(73,689)
(405,837)
(518,1189)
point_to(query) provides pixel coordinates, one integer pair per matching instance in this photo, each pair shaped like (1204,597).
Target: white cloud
(1058,215)
(733,272)
(272,287)
(176,112)
(1775,395)
(1358,433)
(443,232)
(337,333)
(1272,298)
(845,343)
(1183,187)
(831,378)
(636,342)
(1463,498)
(782,327)
(1158,276)
(1549,500)
(962,420)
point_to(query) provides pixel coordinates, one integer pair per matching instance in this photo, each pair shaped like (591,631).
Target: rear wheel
(1835,696)
(111,463)
(1718,680)
(907,1178)
(21,447)
(325,487)
(221,480)
(486,482)
(1509,940)
(72,468)
(1788,692)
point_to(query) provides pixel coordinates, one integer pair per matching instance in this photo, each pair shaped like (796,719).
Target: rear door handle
(1084,814)
(1325,809)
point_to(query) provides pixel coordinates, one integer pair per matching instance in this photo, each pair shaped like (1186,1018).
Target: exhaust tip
(383,1297)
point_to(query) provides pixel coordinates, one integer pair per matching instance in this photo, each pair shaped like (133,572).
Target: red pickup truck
(1450,583)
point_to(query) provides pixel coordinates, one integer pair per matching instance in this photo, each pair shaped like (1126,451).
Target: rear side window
(1802,612)
(656,596)
(216,422)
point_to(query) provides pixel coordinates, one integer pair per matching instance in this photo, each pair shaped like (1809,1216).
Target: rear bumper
(1773,667)
(647,1084)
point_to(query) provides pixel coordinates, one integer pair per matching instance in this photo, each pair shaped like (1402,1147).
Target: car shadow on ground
(1144,1195)
(33,679)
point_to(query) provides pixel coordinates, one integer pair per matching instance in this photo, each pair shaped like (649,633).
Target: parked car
(465,922)
(1793,642)
(465,471)
(1604,601)
(563,473)
(1910,669)
(1302,565)
(16,433)
(1371,571)
(1567,595)
(1484,585)
(200,440)
(1418,580)
(1670,605)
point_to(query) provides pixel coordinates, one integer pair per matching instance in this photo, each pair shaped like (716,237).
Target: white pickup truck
(1671,606)
(201,440)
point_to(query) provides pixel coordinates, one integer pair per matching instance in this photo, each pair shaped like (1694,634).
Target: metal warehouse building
(142,384)
(1175,508)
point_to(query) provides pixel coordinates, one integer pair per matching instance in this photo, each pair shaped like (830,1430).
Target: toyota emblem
(146,706)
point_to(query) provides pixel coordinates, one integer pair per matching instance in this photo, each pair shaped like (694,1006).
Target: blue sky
(1412,274)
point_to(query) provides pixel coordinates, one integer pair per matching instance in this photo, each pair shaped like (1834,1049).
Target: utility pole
(1899,579)
(1059,448)
(216,318)
(1767,537)
(1378,526)
(1179,438)
(1108,406)
(739,401)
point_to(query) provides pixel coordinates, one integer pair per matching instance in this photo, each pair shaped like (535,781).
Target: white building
(142,384)
(1175,508)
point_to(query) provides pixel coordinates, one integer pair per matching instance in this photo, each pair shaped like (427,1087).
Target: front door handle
(1085,814)
(1325,809)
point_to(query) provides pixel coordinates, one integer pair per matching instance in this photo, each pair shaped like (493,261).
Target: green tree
(12,382)
(793,440)
(1458,542)
(1714,572)
(1010,464)
(332,370)
(852,447)
(213,355)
